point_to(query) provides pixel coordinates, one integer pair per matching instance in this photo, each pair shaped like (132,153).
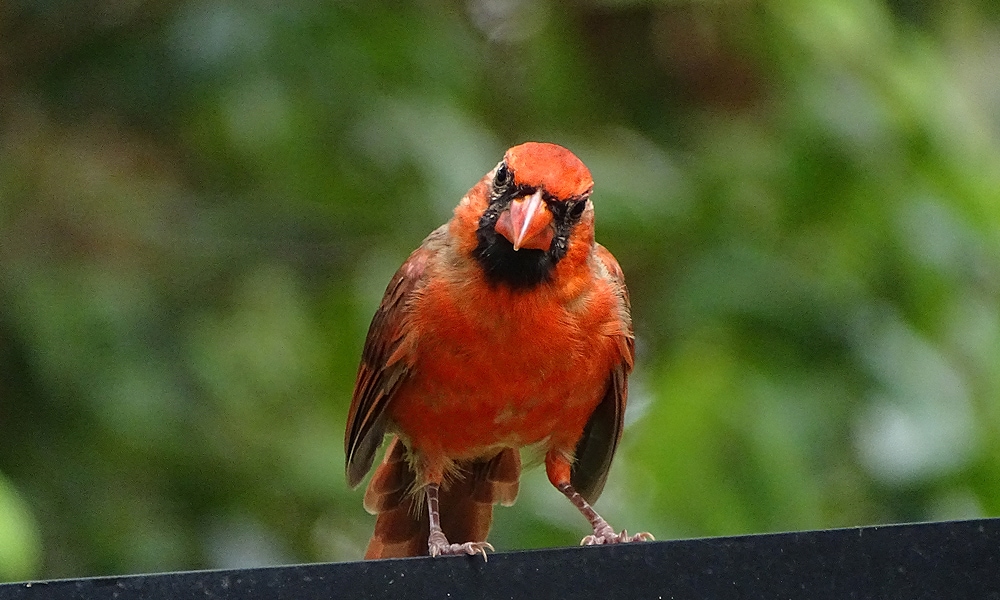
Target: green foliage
(20,549)
(201,203)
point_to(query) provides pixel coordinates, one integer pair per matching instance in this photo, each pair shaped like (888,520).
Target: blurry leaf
(20,546)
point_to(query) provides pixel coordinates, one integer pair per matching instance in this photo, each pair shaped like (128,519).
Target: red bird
(507,328)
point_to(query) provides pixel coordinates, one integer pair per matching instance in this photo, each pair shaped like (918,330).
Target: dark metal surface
(932,560)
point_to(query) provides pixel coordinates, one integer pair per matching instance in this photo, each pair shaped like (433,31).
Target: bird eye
(577,209)
(502,177)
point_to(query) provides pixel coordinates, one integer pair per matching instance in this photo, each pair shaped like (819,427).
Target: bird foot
(607,535)
(438,545)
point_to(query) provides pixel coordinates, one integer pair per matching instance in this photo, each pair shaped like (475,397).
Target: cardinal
(507,329)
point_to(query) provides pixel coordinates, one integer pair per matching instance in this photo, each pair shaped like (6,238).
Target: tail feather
(398,533)
(501,478)
(392,481)
(466,503)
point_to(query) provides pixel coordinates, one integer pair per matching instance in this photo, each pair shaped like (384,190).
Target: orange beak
(527,223)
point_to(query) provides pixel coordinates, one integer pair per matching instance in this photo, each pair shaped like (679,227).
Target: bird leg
(437,543)
(559,469)
(603,532)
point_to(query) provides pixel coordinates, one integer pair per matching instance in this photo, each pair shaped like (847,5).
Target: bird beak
(527,223)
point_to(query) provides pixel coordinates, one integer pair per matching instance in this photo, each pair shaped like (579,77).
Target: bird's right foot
(438,545)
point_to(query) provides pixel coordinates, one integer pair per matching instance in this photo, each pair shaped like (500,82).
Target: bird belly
(448,416)
(514,379)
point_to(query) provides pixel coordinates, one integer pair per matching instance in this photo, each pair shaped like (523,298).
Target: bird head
(538,204)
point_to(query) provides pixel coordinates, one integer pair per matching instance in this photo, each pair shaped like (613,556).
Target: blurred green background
(201,203)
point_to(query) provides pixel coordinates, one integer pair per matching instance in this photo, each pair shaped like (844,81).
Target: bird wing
(597,446)
(385,361)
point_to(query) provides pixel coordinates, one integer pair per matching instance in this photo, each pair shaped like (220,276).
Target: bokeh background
(202,201)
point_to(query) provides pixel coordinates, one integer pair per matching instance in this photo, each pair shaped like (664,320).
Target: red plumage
(508,327)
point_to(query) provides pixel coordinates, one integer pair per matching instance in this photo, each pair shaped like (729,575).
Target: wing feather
(597,446)
(385,361)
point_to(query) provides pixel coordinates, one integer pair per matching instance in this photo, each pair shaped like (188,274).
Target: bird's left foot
(607,535)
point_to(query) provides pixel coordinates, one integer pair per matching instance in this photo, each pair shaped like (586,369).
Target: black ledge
(959,559)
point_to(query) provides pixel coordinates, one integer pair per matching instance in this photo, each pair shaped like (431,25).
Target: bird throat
(518,269)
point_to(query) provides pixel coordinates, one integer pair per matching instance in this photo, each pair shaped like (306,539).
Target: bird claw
(608,536)
(438,545)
